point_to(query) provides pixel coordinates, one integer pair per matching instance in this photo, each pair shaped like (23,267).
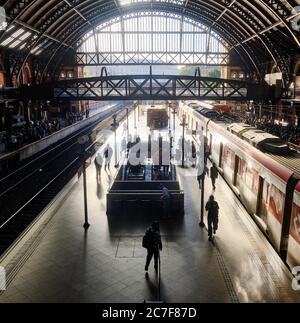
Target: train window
(276,203)
(249,177)
(232,161)
(242,167)
(229,157)
(225,154)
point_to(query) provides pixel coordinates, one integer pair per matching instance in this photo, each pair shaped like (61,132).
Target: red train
(267,181)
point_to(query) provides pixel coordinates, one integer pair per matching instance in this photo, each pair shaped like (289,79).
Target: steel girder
(149,87)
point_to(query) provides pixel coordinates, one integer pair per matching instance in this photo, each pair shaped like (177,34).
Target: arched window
(63,75)
(152,38)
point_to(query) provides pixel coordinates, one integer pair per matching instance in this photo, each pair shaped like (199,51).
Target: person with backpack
(98,165)
(214,173)
(152,242)
(212,207)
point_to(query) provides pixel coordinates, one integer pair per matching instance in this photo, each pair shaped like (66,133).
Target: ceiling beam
(23,24)
(78,12)
(271,27)
(222,14)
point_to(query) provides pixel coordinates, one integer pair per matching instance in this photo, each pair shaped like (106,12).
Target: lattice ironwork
(154,87)
(96,59)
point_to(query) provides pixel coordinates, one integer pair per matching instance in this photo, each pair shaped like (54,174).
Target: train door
(262,198)
(287,216)
(210,142)
(236,170)
(221,155)
(259,196)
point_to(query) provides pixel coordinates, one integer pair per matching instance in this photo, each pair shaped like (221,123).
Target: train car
(264,182)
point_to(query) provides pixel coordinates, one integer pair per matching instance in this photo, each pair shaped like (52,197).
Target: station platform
(61,262)
(31,149)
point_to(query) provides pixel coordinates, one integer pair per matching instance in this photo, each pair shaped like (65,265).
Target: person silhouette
(152,242)
(212,207)
(108,155)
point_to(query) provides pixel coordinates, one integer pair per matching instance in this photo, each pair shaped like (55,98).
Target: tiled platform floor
(106,263)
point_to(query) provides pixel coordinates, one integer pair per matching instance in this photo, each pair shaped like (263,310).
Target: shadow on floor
(137,224)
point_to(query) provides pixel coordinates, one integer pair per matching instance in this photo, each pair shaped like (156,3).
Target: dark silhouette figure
(108,155)
(98,165)
(212,207)
(194,154)
(152,242)
(214,175)
(200,177)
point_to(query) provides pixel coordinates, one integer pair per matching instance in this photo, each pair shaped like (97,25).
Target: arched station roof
(261,31)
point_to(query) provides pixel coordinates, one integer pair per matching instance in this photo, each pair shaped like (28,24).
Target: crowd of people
(72,117)
(32,131)
(28,133)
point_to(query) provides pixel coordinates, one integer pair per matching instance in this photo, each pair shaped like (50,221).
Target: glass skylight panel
(129,2)
(18,33)
(25,36)
(7,41)
(152,35)
(15,43)
(18,36)
(22,46)
(34,50)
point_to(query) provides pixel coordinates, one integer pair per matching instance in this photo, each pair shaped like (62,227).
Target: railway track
(27,191)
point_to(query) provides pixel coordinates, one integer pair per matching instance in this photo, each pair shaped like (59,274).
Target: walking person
(108,153)
(167,201)
(214,173)
(212,207)
(200,176)
(152,242)
(194,155)
(98,165)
